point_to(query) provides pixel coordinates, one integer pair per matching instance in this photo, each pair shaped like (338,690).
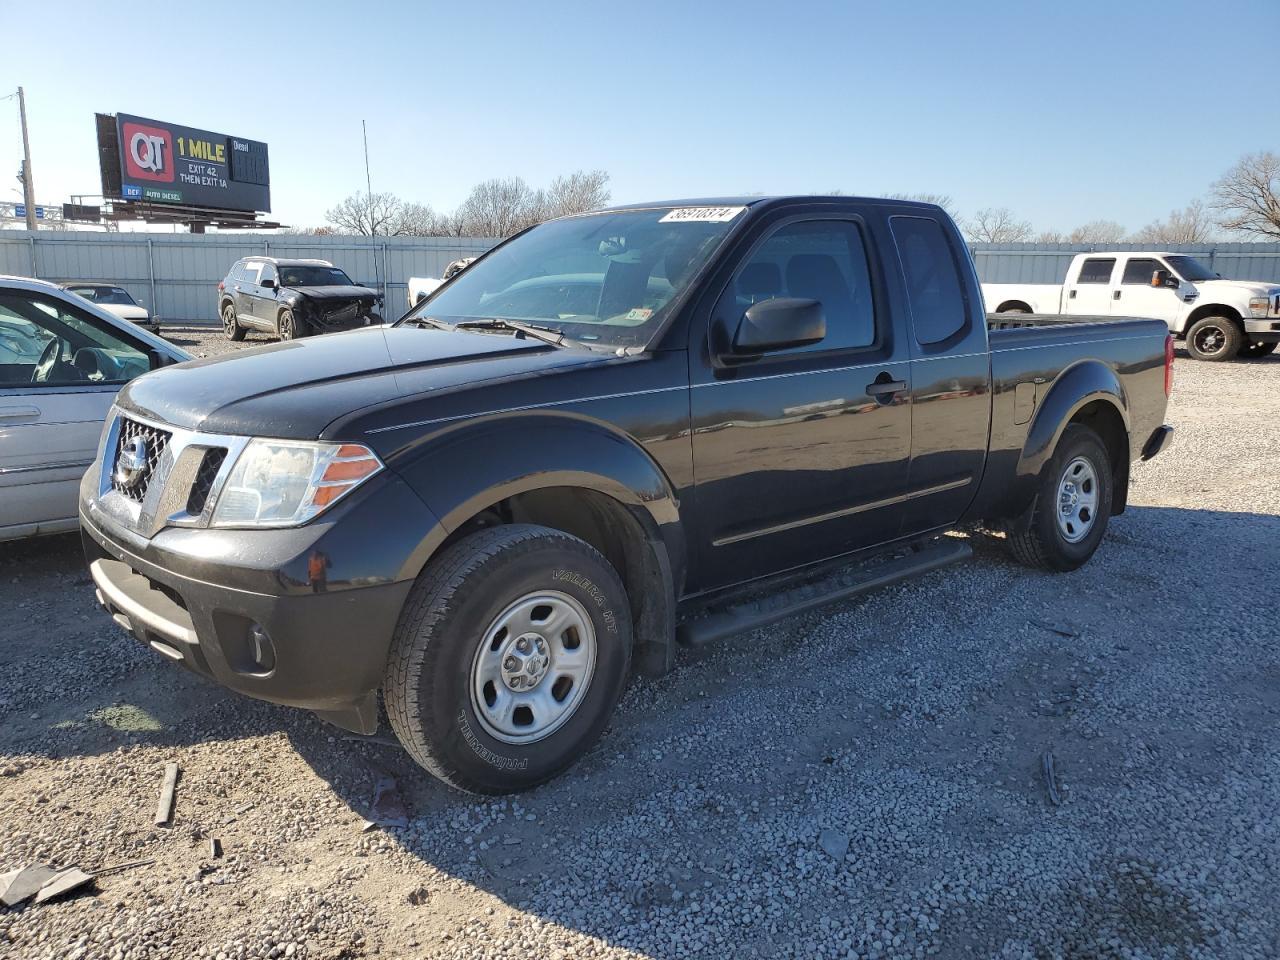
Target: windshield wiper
(538,332)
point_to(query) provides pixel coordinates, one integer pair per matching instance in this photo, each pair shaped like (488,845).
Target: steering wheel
(50,357)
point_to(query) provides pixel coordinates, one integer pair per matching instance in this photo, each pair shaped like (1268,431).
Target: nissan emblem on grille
(132,462)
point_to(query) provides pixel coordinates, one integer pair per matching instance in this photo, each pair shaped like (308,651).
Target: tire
(453,633)
(230,324)
(1214,339)
(1007,311)
(287,325)
(1256,350)
(1046,542)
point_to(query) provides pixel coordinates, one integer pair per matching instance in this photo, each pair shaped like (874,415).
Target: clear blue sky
(1064,112)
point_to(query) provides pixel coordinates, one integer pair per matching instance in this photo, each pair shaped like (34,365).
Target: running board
(743,616)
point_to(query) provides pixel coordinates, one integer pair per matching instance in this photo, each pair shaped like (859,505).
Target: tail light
(221,286)
(1168,365)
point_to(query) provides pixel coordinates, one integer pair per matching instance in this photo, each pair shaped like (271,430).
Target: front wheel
(287,325)
(1069,516)
(508,659)
(1257,349)
(1214,338)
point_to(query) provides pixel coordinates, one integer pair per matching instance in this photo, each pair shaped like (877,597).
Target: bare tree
(1247,197)
(1098,231)
(500,207)
(1051,236)
(996,225)
(1192,224)
(367,214)
(578,192)
(421,220)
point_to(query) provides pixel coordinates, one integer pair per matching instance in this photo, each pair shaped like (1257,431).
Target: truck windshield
(602,278)
(1191,269)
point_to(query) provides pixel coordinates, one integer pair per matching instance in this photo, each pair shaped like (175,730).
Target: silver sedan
(62,361)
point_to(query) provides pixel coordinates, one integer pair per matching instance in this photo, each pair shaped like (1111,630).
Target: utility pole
(368,180)
(28,190)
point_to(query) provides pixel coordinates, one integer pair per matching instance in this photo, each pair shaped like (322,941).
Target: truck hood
(294,389)
(1252,288)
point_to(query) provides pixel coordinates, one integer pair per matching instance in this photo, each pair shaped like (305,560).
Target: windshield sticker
(639,313)
(701,215)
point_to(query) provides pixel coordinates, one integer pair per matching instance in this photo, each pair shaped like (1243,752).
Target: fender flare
(497,458)
(1076,387)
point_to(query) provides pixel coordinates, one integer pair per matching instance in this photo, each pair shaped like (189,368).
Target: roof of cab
(752,201)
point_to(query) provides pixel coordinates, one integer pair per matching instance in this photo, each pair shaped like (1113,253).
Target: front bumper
(1159,441)
(1263,331)
(302,617)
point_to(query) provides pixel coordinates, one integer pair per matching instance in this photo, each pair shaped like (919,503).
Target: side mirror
(158,359)
(1162,278)
(778,324)
(268,284)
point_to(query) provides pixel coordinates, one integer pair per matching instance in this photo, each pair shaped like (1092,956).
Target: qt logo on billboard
(148,152)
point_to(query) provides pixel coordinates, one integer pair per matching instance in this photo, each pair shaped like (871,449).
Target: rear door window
(1097,270)
(250,271)
(933,282)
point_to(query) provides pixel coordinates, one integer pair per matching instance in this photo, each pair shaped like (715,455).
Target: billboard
(165,163)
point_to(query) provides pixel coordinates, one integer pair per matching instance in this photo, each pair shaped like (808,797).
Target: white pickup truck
(1219,319)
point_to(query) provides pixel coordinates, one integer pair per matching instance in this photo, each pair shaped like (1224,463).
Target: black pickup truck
(615,432)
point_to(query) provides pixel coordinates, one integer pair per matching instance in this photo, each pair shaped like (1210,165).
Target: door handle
(1116,295)
(13,413)
(1071,295)
(885,388)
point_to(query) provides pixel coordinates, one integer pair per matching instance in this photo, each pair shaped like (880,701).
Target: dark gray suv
(293,298)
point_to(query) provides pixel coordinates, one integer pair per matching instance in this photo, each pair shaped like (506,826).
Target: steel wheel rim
(533,667)
(1077,506)
(1211,340)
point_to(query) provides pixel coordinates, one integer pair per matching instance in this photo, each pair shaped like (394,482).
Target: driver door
(50,426)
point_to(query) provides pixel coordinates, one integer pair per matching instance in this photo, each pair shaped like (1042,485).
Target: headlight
(285,483)
(1260,306)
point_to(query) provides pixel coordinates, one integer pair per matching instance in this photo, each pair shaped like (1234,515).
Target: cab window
(823,260)
(1097,270)
(1140,269)
(45,342)
(933,280)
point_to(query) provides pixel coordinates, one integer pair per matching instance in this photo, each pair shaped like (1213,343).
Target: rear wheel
(1013,309)
(1214,339)
(509,657)
(230,325)
(1069,516)
(1254,350)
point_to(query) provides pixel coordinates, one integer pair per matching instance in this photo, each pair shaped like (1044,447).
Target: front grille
(133,483)
(340,316)
(210,464)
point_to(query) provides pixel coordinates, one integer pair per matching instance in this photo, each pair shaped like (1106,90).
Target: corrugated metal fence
(175,274)
(1048,262)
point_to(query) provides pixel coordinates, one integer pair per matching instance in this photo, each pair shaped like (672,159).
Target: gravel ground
(862,782)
